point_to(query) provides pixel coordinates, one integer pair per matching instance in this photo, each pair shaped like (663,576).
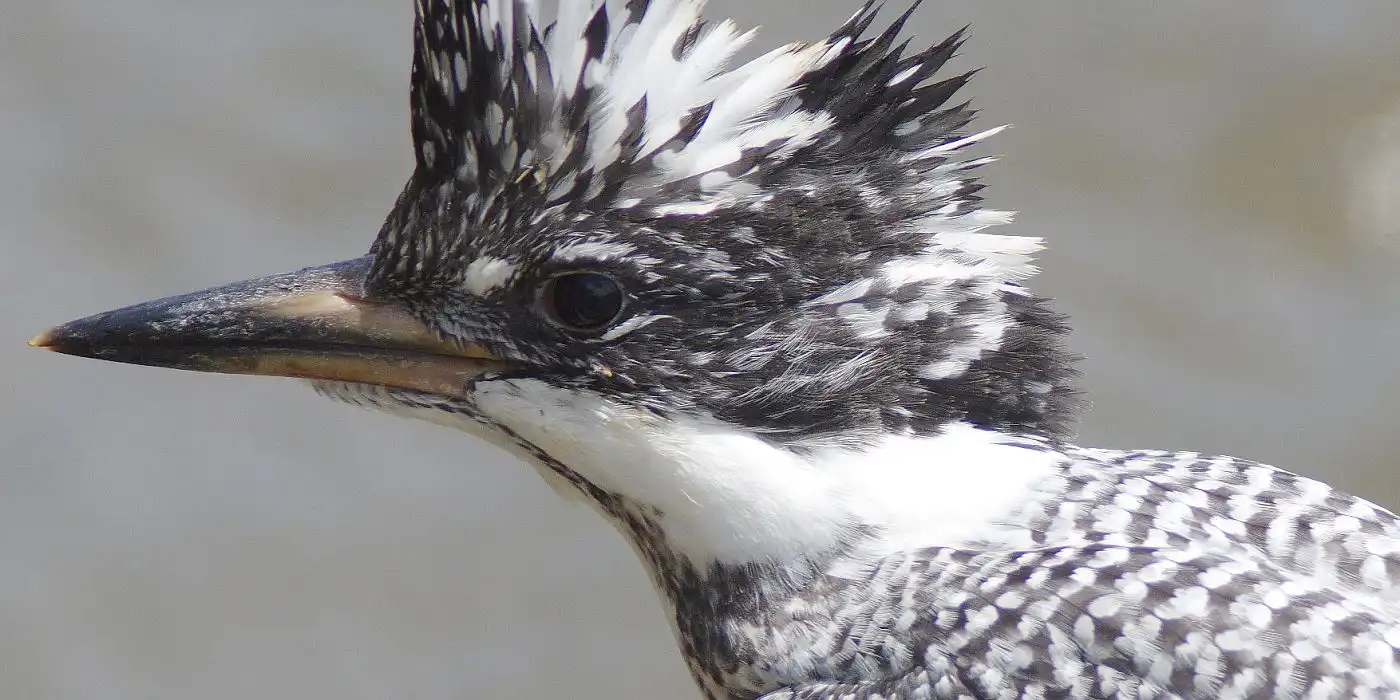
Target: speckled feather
(812,298)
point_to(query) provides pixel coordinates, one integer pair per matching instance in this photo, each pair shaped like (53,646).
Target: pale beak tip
(44,340)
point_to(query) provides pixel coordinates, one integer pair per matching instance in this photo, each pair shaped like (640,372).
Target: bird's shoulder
(1119,571)
(1130,573)
(1103,620)
(1165,499)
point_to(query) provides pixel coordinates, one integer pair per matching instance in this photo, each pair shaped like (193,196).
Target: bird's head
(611,232)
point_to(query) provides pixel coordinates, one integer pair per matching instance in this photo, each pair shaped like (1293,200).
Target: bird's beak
(313,324)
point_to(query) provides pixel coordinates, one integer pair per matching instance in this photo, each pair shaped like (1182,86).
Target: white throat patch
(727,496)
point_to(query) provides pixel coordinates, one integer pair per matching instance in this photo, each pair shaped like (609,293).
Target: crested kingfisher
(756,316)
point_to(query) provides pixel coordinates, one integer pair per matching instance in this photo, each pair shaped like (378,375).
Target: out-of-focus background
(1220,183)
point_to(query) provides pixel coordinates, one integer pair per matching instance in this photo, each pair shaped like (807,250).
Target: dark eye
(582,301)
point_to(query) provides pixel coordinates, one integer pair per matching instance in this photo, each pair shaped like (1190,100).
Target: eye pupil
(584,301)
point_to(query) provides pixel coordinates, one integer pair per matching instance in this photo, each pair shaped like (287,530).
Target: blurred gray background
(1220,184)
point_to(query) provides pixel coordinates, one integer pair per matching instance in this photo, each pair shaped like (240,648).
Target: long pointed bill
(313,324)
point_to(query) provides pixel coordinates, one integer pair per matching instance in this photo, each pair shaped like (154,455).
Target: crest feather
(630,105)
(644,85)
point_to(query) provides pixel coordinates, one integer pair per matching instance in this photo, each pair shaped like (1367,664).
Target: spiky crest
(627,105)
(823,183)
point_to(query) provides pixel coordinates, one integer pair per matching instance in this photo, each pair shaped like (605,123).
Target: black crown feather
(801,234)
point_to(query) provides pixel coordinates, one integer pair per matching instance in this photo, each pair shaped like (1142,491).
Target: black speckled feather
(518,159)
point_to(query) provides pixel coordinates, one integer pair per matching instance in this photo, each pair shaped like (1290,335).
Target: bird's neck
(715,495)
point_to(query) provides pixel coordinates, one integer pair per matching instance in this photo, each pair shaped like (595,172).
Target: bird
(756,315)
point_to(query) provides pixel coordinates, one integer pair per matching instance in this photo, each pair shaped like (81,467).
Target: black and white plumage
(753,315)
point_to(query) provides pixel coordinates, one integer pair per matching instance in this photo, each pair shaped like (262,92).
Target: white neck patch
(727,496)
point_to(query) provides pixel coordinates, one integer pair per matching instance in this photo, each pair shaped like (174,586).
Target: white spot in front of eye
(486,274)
